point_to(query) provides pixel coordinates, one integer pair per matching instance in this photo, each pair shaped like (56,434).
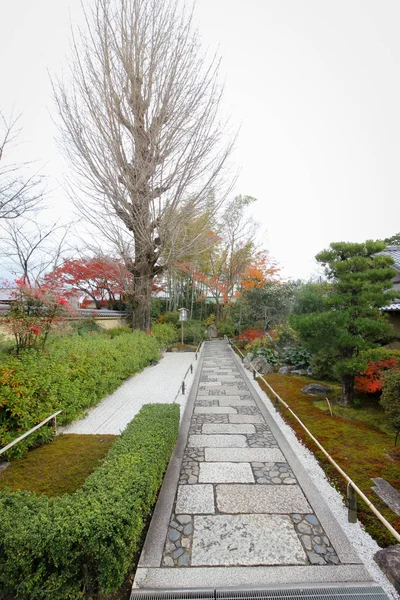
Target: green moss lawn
(57,468)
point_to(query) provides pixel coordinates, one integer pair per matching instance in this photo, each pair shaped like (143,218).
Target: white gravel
(362,542)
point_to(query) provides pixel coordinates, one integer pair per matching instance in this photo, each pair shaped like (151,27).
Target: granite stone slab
(387,493)
(217,441)
(257,455)
(209,384)
(227,402)
(251,539)
(225,472)
(276,499)
(214,410)
(228,428)
(198,499)
(246,419)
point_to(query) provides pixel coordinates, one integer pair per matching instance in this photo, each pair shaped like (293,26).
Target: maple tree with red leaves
(371,380)
(103,279)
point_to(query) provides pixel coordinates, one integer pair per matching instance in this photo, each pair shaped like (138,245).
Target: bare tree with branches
(19,191)
(140,126)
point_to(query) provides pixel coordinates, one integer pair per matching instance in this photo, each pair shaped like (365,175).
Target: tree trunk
(346,398)
(143,282)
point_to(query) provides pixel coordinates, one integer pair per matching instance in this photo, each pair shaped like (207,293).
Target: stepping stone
(246,419)
(244,455)
(210,384)
(228,378)
(250,539)
(227,428)
(227,472)
(226,398)
(226,402)
(213,410)
(387,493)
(274,499)
(218,441)
(196,498)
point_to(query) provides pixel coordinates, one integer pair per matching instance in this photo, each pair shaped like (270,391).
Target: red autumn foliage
(251,334)
(370,381)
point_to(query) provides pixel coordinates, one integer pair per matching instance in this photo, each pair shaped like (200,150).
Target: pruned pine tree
(140,127)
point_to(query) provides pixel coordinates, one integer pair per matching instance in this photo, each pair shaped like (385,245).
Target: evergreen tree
(350,320)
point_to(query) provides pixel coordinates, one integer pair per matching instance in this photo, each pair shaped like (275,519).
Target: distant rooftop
(394,252)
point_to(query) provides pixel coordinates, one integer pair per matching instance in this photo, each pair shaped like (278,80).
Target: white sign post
(183,315)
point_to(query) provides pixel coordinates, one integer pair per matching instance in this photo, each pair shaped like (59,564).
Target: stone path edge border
(152,551)
(343,547)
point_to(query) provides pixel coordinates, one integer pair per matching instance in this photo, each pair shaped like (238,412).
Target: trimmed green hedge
(73,374)
(75,546)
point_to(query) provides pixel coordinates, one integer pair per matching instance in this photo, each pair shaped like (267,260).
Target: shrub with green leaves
(271,356)
(193,331)
(259,343)
(84,326)
(165,333)
(74,374)
(299,357)
(116,331)
(390,398)
(79,545)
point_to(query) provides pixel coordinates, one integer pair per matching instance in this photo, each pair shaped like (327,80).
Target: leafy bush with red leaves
(371,380)
(251,334)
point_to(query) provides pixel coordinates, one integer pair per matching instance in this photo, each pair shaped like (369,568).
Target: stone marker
(274,499)
(249,539)
(225,472)
(195,499)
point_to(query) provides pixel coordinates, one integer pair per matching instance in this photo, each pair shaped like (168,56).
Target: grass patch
(356,443)
(60,467)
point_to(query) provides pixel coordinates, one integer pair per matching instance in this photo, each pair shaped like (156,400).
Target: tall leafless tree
(20,192)
(139,119)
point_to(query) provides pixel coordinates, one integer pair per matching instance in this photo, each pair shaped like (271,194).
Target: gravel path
(155,384)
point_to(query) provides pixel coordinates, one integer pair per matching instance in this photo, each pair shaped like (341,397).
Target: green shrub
(165,333)
(193,331)
(226,328)
(271,356)
(82,544)
(84,326)
(258,343)
(322,364)
(116,331)
(299,357)
(73,375)
(390,398)
(170,317)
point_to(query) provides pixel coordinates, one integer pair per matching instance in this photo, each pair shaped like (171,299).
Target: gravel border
(363,543)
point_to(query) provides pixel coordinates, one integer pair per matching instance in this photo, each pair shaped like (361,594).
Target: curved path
(237,508)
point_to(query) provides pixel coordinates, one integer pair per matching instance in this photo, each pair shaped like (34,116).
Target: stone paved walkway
(155,384)
(239,501)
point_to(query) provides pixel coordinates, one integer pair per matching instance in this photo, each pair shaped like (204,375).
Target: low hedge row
(80,545)
(73,374)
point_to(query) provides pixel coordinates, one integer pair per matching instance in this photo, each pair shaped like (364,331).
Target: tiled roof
(394,252)
(394,307)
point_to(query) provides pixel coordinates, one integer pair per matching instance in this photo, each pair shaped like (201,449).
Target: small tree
(349,318)
(34,312)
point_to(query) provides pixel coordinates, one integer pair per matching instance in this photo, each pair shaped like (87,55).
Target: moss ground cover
(360,448)
(81,545)
(60,467)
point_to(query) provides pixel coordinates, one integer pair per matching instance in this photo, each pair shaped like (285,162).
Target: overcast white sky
(314,83)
